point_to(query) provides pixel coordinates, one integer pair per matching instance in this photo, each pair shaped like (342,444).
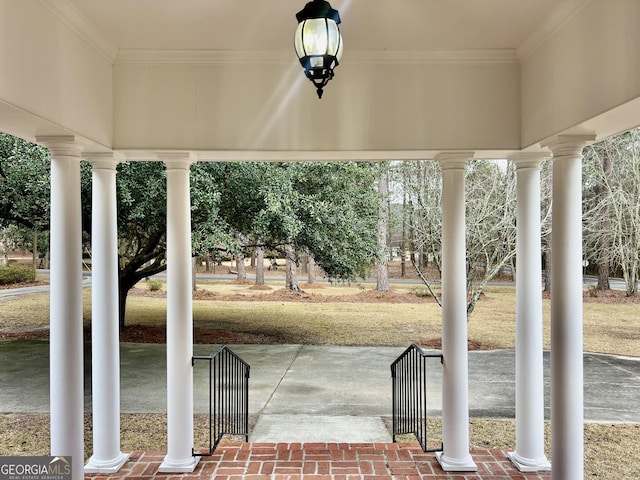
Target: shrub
(154,285)
(421,291)
(13,274)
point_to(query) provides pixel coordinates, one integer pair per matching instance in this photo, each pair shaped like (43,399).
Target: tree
(422,186)
(597,201)
(423,183)
(25,191)
(491,226)
(325,209)
(546,202)
(337,208)
(382,266)
(142,200)
(490,219)
(621,205)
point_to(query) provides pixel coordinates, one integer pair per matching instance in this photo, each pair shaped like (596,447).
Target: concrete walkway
(303,393)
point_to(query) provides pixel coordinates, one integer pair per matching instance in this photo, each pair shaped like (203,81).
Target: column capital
(176,160)
(65,145)
(528,160)
(454,160)
(568,145)
(102,160)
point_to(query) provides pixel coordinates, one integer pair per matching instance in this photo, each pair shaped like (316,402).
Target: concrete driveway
(302,388)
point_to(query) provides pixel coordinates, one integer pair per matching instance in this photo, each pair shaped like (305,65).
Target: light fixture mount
(318,42)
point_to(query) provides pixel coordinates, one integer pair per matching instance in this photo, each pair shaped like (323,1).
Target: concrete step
(276,428)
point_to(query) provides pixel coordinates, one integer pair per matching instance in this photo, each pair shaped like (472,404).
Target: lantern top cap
(318,9)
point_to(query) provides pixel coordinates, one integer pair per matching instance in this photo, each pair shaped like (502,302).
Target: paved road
(12,292)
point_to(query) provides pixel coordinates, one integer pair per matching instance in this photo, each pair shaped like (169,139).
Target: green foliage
(154,285)
(12,274)
(327,209)
(339,209)
(24,183)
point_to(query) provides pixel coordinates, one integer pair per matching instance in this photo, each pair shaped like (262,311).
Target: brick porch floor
(321,461)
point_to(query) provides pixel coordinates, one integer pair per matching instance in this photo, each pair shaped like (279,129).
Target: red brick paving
(321,461)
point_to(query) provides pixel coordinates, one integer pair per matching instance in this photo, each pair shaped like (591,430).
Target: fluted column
(529,455)
(455,381)
(179,318)
(105,343)
(567,384)
(65,325)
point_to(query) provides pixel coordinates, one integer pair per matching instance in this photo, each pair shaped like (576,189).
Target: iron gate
(409,379)
(228,397)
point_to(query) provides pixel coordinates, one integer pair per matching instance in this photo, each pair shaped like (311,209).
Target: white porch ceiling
(418,77)
(368,25)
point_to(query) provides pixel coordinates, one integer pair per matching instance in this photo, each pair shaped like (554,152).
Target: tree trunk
(259,251)
(242,273)
(291,279)
(382,266)
(548,193)
(547,265)
(412,236)
(35,249)
(604,242)
(123,292)
(194,267)
(5,248)
(312,269)
(403,240)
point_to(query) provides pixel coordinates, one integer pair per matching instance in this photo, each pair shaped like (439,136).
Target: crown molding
(434,56)
(69,14)
(270,57)
(558,18)
(202,56)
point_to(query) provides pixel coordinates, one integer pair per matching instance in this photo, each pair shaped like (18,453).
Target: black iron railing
(228,397)
(409,378)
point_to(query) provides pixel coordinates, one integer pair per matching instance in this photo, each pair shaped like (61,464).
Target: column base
(106,466)
(456,465)
(529,464)
(183,466)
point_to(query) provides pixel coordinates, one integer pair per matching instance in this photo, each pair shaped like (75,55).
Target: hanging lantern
(318,42)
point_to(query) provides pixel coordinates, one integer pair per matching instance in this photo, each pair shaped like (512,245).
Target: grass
(610,450)
(612,328)
(605,444)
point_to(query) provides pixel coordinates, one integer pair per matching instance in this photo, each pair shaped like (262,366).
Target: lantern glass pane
(298,41)
(316,62)
(314,36)
(334,38)
(339,54)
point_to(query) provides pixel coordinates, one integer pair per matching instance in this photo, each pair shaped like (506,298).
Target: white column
(567,396)
(65,328)
(455,388)
(105,344)
(529,455)
(179,318)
